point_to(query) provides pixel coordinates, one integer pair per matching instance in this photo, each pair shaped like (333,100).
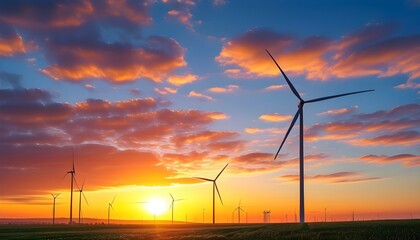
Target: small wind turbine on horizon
(72,172)
(54,197)
(214,188)
(109,208)
(239,209)
(172,205)
(301,135)
(80,198)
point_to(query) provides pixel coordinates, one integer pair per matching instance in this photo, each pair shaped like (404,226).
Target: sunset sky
(150,94)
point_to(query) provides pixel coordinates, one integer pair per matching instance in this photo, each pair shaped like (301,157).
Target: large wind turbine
(53,222)
(72,172)
(172,206)
(300,113)
(80,198)
(109,207)
(214,188)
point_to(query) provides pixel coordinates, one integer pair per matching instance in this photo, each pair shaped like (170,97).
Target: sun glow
(156,206)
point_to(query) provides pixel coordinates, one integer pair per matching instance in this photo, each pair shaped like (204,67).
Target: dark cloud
(12,79)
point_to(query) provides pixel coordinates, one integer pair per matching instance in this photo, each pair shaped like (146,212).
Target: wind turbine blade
(83,184)
(288,131)
(77,185)
(218,193)
(221,172)
(172,197)
(205,179)
(179,199)
(336,96)
(287,79)
(113,200)
(58,195)
(85,198)
(65,175)
(73,162)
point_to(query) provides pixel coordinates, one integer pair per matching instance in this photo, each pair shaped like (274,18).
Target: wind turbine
(72,172)
(172,206)
(300,113)
(239,209)
(80,198)
(109,208)
(53,222)
(214,188)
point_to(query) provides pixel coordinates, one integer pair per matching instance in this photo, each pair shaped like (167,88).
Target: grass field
(402,229)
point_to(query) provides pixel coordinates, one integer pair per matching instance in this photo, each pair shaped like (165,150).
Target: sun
(156,206)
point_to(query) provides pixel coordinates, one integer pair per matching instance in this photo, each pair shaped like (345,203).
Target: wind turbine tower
(109,208)
(301,135)
(72,172)
(54,197)
(80,199)
(214,189)
(172,206)
(239,209)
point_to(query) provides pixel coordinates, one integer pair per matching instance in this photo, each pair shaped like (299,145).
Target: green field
(403,229)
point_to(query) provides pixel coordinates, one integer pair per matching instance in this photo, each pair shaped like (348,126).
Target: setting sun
(156,206)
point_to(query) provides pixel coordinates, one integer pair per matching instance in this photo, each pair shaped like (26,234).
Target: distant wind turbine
(214,188)
(239,209)
(80,198)
(172,206)
(109,207)
(72,172)
(53,220)
(301,136)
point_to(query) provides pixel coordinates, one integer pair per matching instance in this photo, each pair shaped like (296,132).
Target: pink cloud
(200,95)
(407,160)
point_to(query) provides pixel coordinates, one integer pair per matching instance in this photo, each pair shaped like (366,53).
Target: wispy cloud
(274,117)
(338,177)
(200,95)
(407,160)
(274,87)
(227,89)
(340,111)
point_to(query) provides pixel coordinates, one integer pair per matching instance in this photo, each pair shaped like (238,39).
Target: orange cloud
(406,138)
(371,51)
(78,61)
(262,130)
(339,177)
(200,95)
(179,80)
(275,117)
(396,126)
(228,89)
(12,46)
(166,90)
(55,14)
(274,87)
(340,111)
(407,160)
(181,11)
